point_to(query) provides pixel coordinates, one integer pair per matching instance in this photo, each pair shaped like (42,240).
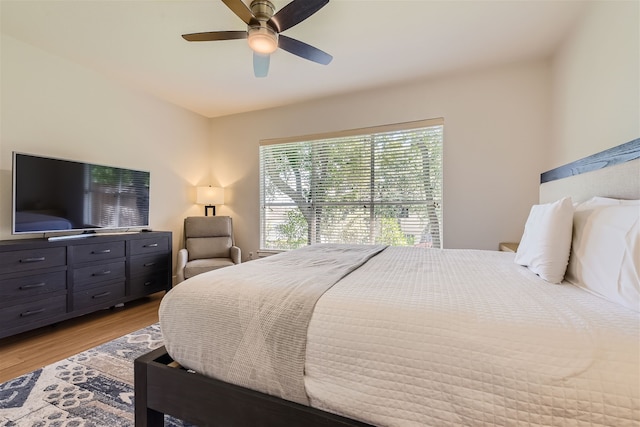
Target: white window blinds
(381,185)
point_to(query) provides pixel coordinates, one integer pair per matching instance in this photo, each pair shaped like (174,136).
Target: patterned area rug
(93,388)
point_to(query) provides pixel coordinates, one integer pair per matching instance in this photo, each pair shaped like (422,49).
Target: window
(377,185)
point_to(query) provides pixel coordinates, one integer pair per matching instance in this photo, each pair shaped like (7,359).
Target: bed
(390,336)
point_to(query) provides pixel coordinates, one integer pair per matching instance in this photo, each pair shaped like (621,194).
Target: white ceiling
(374,43)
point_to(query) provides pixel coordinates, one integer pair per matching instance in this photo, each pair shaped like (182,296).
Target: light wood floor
(31,350)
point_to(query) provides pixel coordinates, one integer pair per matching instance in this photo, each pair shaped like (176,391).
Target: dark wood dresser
(43,282)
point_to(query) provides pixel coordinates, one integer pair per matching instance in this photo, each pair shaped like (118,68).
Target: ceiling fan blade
(240,9)
(304,50)
(215,35)
(261,64)
(295,12)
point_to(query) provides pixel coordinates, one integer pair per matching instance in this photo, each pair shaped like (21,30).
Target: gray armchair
(209,245)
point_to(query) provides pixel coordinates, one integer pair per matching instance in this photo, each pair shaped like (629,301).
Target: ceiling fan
(264,26)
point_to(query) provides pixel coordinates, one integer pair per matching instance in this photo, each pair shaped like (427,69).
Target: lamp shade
(262,39)
(210,196)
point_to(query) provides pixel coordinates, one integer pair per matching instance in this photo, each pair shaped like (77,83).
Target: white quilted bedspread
(437,338)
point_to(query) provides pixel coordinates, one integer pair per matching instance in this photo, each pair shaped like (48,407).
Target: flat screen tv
(55,195)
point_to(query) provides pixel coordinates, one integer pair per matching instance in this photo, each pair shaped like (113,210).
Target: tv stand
(45,281)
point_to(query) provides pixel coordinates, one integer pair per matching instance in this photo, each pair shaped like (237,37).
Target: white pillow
(605,253)
(597,201)
(546,242)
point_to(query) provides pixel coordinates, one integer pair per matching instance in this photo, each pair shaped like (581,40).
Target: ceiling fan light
(262,39)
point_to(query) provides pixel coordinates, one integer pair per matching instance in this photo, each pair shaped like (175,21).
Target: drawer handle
(149,283)
(104,251)
(149,264)
(31,286)
(102,273)
(36,259)
(31,312)
(151,245)
(102,295)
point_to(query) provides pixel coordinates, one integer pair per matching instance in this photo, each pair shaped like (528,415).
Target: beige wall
(596,83)
(52,107)
(496,139)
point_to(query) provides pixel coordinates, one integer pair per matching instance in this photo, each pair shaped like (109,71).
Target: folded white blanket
(247,324)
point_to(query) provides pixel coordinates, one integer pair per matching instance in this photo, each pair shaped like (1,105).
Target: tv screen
(55,195)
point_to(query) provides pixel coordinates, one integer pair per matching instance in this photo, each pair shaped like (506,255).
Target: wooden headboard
(610,173)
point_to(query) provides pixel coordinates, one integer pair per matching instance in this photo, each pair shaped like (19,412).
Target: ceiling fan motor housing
(262,38)
(263,10)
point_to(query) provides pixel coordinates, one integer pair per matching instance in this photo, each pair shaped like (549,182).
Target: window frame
(371,132)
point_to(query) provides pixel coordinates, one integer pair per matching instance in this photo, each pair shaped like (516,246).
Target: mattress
(425,337)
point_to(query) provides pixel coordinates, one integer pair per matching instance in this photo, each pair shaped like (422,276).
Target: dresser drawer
(97,251)
(150,263)
(31,286)
(103,296)
(85,277)
(148,284)
(150,245)
(21,314)
(31,259)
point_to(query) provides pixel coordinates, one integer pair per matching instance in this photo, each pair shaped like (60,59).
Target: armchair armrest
(235,254)
(181,262)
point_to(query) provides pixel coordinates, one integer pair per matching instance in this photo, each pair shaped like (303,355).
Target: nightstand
(509,246)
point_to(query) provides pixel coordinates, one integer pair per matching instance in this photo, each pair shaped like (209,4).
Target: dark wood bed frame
(161,388)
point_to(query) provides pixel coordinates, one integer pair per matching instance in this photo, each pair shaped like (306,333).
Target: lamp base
(206,210)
